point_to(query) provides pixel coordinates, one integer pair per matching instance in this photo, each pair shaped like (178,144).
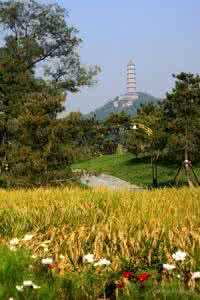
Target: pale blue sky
(161,36)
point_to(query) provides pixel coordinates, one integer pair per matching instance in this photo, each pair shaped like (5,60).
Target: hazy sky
(161,36)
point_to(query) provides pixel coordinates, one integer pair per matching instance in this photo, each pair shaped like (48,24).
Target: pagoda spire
(131,95)
(131,81)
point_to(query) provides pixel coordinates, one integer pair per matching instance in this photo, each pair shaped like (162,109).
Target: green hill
(116,106)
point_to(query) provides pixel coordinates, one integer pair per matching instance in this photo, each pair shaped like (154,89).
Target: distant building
(131,94)
(131,81)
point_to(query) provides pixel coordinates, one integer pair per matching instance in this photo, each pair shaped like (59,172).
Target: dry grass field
(143,226)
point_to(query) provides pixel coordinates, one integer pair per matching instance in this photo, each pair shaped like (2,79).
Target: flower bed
(26,277)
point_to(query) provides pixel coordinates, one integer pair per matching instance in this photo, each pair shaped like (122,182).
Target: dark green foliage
(115,132)
(90,137)
(151,115)
(83,136)
(39,33)
(30,134)
(182,116)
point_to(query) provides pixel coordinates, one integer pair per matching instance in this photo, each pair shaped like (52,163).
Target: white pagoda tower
(131,81)
(131,93)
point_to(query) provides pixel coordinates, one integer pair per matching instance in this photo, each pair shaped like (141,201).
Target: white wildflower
(179,255)
(27,283)
(102,262)
(14,242)
(19,288)
(169,267)
(13,248)
(35,286)
(195,275)
(47,261)
(89,258)
(27,237)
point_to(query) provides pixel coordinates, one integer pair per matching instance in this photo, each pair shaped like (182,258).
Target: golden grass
(109,224)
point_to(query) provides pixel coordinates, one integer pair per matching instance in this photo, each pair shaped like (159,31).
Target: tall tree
(182,115)
(149,137)
(151,116)
(38,33)
(38,42)
(115,132)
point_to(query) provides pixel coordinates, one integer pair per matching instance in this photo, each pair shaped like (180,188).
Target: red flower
(120,284)
(143,277)
(127,275)
(52,266)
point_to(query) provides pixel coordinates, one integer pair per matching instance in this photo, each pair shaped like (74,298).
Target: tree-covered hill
(115,106)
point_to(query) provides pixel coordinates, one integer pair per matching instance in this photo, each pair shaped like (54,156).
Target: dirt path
(107,181)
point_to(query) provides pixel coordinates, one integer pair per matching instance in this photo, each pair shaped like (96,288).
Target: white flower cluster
(179,255)
(14,242)
(27,237)
(27,283)
(169,267)
(195,275)
(102,262)
(47,261)
(90,258)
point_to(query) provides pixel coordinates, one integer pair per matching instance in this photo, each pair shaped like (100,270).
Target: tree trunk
(187,166)
(154,171)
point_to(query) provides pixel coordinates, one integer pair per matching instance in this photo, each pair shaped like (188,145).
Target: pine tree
(182,115)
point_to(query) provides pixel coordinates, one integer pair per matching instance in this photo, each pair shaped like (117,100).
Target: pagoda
(131,94)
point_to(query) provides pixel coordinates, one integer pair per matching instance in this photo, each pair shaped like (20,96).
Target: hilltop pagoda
(131,94)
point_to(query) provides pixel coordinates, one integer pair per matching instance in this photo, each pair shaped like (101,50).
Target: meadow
(132,232)
(134,170)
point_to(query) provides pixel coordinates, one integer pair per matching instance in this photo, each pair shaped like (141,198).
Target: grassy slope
(125,166)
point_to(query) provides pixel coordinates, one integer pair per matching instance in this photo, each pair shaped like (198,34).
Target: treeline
(175,123)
